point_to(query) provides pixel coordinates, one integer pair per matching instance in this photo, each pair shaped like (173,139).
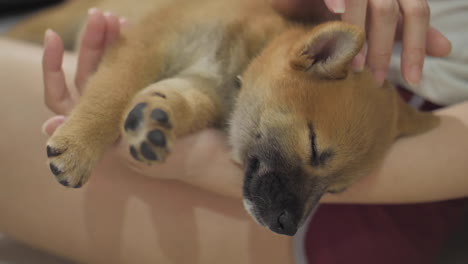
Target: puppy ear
(327,50)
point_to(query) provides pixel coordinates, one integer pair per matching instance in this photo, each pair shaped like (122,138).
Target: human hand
(384,21)
(190,155)
(101,30)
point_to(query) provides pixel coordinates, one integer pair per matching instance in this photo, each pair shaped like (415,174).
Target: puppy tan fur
(303,123)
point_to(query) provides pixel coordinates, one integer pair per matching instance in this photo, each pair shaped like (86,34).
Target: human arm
(424,168)
(119,216)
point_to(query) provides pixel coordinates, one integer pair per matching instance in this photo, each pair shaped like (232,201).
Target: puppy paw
(70,160)
(148,130)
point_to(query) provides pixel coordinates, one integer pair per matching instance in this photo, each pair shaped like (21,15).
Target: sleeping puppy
(302,123)
(305,124)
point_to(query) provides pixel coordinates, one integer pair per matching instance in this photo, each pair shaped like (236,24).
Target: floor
(12,252)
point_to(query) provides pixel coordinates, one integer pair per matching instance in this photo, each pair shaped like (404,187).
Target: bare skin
(120,216)
(123,216)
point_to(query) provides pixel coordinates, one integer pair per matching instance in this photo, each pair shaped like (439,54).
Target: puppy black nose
(285,224)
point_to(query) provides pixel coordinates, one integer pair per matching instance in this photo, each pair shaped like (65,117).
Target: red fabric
(377,234)
(407,95)
(382,234)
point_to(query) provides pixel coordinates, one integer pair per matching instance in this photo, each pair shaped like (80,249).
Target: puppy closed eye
(317,158)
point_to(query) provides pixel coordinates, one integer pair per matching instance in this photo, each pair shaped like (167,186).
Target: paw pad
(148,128)
(157,138)
(134,117)
(159,115)
(67,184)
(51,152)
(56,171)
(78,185)
(147,152)
(64,183)
(134,153)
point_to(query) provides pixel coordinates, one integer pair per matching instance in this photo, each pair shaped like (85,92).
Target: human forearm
(202,160)
(119,217)
(428,167)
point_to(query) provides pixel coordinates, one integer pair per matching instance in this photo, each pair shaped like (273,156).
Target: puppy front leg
(168,109)
(93,125)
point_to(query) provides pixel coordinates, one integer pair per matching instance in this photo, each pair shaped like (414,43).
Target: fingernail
(414,75)
(92,11)
(380,76)
(450,47)
(123,21)
(48,34)
(107,14)
(338,6)
(44,128)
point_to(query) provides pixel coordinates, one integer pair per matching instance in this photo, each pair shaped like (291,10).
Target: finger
(437,44)
(56,95)
(337,6)
(415,27)
(49,126)
(383,22)
(356,12)
(304,9)
(124,22)
(112,29)
(91,49)
(289,7)
(360,59)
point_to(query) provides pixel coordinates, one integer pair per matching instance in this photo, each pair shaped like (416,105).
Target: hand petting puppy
(384,21)
(101,30)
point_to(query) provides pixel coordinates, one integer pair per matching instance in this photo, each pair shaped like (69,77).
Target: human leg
(120,216)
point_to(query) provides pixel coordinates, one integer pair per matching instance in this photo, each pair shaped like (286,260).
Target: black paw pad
(51,152)
(134,153)
(147,152)
(64,183)
(54,169)
(157,138)
(78,185)
(134,117)
(159,115)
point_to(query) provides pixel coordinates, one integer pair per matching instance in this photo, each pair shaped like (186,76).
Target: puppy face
(304,124)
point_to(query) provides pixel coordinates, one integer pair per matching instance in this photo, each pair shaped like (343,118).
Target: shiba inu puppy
(301,122)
